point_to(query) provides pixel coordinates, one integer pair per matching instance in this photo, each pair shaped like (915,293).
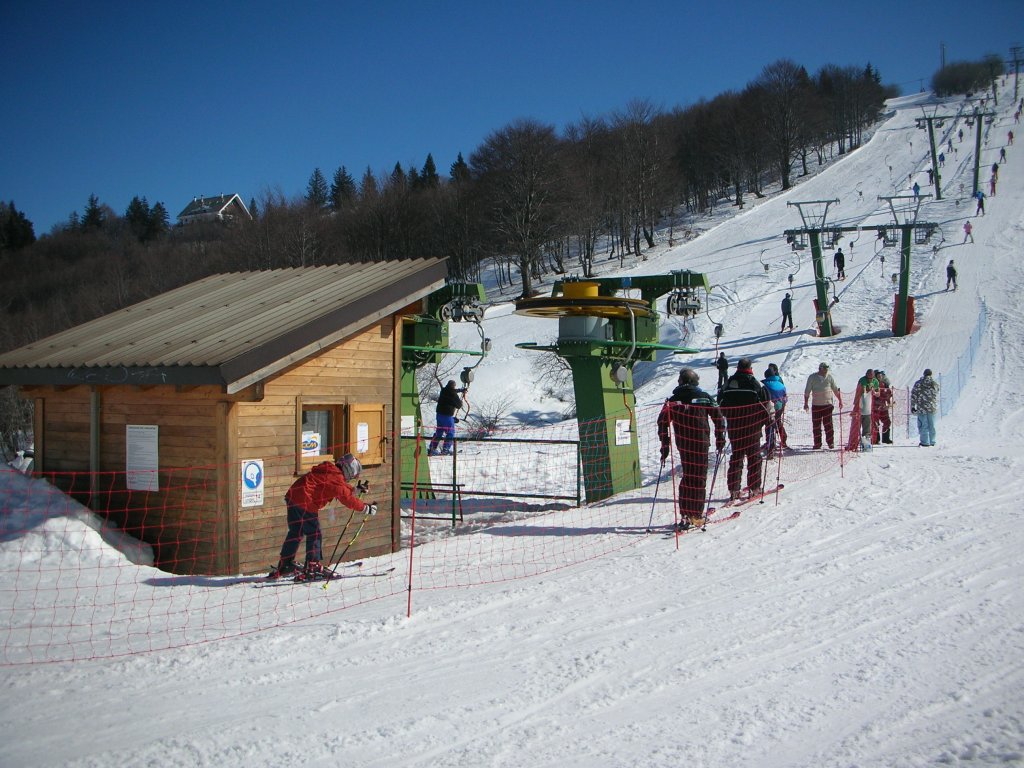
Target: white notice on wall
(623,435)
(362,437)
(408,426)
(142,457)
(252,483)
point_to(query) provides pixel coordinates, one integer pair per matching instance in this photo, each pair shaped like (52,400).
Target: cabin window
(319,432)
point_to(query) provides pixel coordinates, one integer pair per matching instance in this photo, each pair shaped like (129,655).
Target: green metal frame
(425,341)
(598,342)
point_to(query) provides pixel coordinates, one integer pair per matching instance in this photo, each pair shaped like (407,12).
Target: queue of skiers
(749,415)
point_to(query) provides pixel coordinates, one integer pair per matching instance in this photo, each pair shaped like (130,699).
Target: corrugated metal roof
(229,329)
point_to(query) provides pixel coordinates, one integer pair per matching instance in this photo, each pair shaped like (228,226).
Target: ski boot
(314,571)
(284,567)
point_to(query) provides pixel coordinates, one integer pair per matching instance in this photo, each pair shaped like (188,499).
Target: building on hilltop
(225,208)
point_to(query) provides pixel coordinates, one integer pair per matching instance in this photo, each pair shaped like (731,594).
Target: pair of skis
(736,505)
(752,497)
(324,577)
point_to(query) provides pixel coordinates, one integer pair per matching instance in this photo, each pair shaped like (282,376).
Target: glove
(456,421)
(664,453)
(913,410)
(370,510)
(720,446)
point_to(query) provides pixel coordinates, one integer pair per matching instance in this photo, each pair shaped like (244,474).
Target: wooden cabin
(185,418)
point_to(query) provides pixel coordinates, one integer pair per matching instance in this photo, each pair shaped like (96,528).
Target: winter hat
(349,466)
(927,371)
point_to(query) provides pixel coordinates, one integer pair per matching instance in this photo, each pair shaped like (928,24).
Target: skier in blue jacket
(777,393)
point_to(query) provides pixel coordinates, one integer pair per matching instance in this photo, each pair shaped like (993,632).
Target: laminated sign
(252,483)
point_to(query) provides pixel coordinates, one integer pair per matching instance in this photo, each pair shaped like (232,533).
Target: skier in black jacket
(722,364)
(745,404)
(448,402)
(787,313)
(691,411)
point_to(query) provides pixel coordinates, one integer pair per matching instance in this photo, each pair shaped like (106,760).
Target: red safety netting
(76,584)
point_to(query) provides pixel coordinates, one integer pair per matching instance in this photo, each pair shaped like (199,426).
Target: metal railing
(459,490)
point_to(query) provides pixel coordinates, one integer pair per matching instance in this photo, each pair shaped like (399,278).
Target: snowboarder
(776,389)
(745,405)
(722,364)
(819,390)
(448,402)
(924,401)
(787,314)
(307,496)
(950,275)
(968,232)
(691,412)
(840,263)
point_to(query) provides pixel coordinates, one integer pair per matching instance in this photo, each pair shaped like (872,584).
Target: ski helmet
(349,466)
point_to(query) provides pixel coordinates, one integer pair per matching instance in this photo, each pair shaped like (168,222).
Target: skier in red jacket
(308,495)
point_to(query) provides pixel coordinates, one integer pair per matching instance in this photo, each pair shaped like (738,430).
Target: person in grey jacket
(924,401)
(819,391)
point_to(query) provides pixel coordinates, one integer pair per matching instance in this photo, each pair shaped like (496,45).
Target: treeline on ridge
(529,200)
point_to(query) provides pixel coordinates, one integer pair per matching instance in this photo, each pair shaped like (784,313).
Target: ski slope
(870,619)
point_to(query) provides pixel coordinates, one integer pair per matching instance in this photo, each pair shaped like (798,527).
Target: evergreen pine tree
(343,189)
(459,170)
(15,229)
(94,217)
(428,176)
(398,177)
(368,186)
(159,221)
(316,190)
(137,215)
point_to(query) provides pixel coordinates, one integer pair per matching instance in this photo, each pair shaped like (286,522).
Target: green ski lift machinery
(601,335)
(425,341)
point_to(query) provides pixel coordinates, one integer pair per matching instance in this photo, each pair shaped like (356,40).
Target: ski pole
(361,487)
(655,500)
(711,490)
(334,570)
(342,535)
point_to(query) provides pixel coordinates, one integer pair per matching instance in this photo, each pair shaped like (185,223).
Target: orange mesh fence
(136,575)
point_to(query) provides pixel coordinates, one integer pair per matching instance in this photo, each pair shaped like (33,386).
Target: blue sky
(172,100)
